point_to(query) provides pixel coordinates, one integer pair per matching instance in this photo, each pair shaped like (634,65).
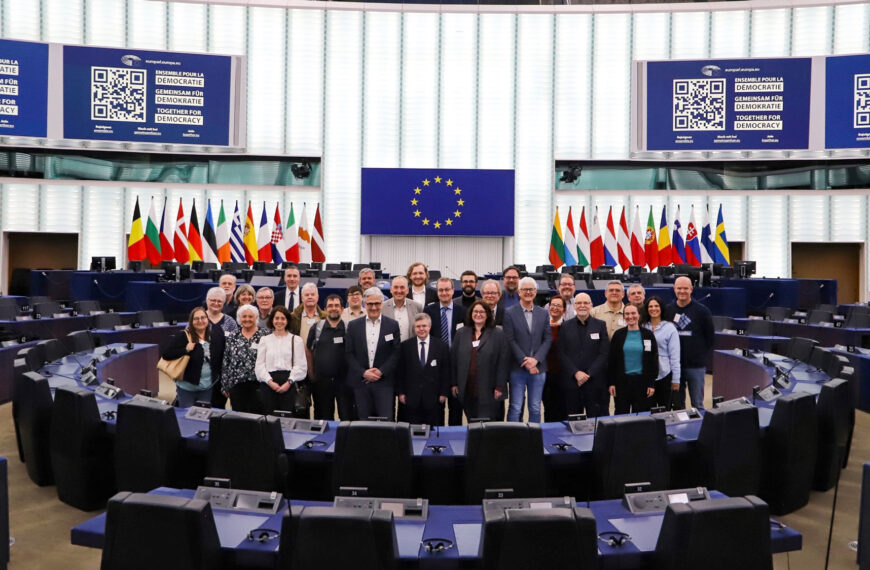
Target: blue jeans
(694,379)
(186,398)
(519,381)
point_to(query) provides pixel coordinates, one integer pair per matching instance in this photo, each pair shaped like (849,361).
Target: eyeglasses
(378,304)
(478,313)
(528,289)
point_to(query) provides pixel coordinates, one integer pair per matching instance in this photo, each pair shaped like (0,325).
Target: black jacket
(650,361)
(177,348)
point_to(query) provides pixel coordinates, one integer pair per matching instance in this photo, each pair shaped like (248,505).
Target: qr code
(862,101)
(699,104)
(118,94)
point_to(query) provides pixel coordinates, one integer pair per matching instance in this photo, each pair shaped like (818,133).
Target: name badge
(388,338)
(433,363)
(620,322)
(594,336)
(677,317)
(685,333)
(460,325)
(647,345)
(475,343)
(338,340)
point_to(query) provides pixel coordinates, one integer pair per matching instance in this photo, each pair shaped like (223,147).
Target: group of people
(484,354)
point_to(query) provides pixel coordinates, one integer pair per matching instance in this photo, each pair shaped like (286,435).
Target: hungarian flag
(194,241)
(264,238)
(136,242)
(623,243)
(180,240)
(291,239)
(610,240)
(250,237)
(557,246)
(678,250)
(570,241)
(637,240)
(237,247)
(222,232)
(304,238)
(209,239)
(166,231)
(318,247)
(650,244)
(596,244)
(693,246)
(277,241)
(584,257)
(152,236)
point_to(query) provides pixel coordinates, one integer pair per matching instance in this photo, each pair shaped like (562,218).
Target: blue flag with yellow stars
(437,202)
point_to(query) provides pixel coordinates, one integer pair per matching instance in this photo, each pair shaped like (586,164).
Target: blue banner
(732,104)
(847,101)
(146,96)
(437,202)
(23,88)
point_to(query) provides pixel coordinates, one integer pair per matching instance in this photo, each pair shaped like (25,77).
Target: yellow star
(438,180)
(416,213)
(437,225)
(449,222)
(425,221)
(417,190)
(461,202)
(426,182)
(458,191)
(414,202)
(449,182)
(457,213)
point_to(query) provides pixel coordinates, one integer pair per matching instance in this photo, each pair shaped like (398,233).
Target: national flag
(179,244)
(693,245)
(610,240)
(166,231)
(136,242)
(194,240)
(583,255)
(623,243)
(721,251)
(557,245)
(291,239)
(650,244)
(209,239)
(264,238)
(152,236)
(237,247)
(570,241)
(664,240)
(707,239)
(678,250)
(304,238)
(224,252)
(250,237)
(318,247)
(596,244)
(277,241)
(637,240)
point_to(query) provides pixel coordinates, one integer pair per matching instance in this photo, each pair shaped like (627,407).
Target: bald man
(694,324)
(583,350)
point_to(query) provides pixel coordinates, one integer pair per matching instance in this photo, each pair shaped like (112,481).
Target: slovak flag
(693,243)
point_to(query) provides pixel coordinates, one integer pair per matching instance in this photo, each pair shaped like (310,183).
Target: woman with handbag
(240,357)
(199,344)
(282,368)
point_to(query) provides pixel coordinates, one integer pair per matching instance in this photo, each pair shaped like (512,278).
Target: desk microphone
(707,296)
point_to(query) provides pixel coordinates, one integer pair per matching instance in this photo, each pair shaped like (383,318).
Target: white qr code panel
(118,94)
(862,101)
(699,104)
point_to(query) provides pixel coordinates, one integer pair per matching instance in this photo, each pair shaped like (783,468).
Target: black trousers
(554,404)
(245,397)
(631,396)
(374,399)
(590,398)
(665,396)
(271,400)
(323,394)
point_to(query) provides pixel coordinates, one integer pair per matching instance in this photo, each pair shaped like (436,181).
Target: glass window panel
(22,20)
(767,242)
(147,21)
(689,36)
(266,71)
(383,40)
(61,209)
(104,225)
(610,86)
(770,33)
(850,215)
(651,35)
(811,30)
(187,27)
(730,34)
(851,29)
(573,86)
(495,91)
(304,130)
(420,83)
(458,78)
(226,35)
(106,23)
(63,21)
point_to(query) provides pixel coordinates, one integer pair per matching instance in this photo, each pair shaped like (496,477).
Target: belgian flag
(194,241)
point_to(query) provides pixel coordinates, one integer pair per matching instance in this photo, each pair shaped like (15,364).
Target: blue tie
(423,353)
(445,327)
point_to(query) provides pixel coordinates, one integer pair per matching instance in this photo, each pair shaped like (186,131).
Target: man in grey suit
(400,308)
(527,328)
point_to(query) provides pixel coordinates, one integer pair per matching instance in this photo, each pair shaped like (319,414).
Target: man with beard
(468,282)
(421,293)
(329,367)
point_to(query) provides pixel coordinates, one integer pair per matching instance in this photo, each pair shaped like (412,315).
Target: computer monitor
(135,266)
(102,263)
(177,272)
(744,269)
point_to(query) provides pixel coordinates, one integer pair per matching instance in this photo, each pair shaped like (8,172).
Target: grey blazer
(535,343)
(413,307)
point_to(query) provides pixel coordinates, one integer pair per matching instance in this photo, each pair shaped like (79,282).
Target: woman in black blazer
(634,365)
(479,357)
(204,344)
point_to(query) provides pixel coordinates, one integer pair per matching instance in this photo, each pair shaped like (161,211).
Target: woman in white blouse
(667,384)
(281,365)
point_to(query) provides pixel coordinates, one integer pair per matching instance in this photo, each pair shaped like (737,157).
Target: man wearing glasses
(511,278)
(491,294)
(447,317)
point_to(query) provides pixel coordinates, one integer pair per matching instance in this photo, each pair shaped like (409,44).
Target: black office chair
(729,450)
(367,539)
(249,451)
(32,356)
(790,449)
(52,349)
(629,449)
(758,327)
(34,422)
(85,307)
(821,358)
(827,307)
(715,534)
(558,538)
(832,409)
(80,341)
(8,312)
(81,450)
(46,309)
(817,316)
(148,318)
(144,532)
(375,455)
(857,320)
(34,299)
(107,321)
(504,455)
(4,513)
(19,367)
(777,313)
(144,463)
(721,322)
(800,348)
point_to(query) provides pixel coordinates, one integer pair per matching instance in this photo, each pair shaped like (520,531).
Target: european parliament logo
(432,202)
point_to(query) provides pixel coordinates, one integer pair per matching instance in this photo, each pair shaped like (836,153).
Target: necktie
(292,300)
(445,327)
(423,353)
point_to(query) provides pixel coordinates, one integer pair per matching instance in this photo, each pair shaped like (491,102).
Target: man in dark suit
(289,296)
(527,329)
(490,291)
(372,351)
(423,380)
(447,317)
(583,351)
(420,291)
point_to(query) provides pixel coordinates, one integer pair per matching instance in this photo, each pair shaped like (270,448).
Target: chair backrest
(85,307)
(143,463)
(375,455)
(827,307)
(715,534)
(729,446)
(19,367)
(817,316)
(790,450)
(308,539)
(558,538)
(34,421)
(4,512)
(249,450)
(80,341)
(149,317)
(47,308)
(494,452)
(52,349)
(32,356)
(158,531)
(759,327)
(800,348)
(858,320)
(777,313)
(8,312)
(107,321)
(821,358)
(721,322)
(629,449)
(833,412)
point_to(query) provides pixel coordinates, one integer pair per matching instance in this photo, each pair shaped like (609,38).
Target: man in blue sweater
(695,326)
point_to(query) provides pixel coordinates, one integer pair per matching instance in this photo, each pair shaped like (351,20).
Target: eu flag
(437,202)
